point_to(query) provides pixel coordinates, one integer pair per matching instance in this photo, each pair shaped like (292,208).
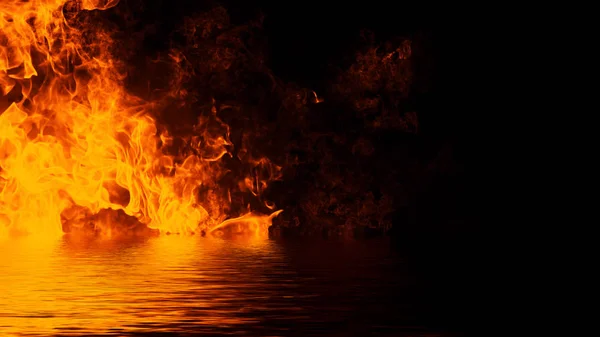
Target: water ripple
(178,286)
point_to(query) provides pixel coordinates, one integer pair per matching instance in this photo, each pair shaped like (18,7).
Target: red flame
(78,152)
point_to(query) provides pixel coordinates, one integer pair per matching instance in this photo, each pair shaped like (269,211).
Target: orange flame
(78,152)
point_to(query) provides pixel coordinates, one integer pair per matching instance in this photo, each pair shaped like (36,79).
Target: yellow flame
(73,142)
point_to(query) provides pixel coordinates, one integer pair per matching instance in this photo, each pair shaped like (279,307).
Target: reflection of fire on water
(78,153)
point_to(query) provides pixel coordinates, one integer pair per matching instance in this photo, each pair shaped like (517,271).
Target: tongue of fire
(80,154)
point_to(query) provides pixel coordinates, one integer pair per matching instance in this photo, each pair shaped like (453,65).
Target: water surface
(180,285)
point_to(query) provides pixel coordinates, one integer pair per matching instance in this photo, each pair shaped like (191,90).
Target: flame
(77,152)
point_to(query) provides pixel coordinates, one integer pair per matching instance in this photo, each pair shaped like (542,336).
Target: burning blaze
(80,154)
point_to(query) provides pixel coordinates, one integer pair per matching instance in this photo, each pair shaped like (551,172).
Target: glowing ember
(80,154)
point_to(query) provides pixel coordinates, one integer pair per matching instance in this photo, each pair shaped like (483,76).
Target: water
(186,285)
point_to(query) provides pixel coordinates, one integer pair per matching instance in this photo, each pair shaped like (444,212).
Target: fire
(79,153)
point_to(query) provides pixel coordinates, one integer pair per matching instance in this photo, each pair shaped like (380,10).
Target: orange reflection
(83,285)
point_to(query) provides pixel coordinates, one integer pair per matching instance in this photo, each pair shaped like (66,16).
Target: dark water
(173,286)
